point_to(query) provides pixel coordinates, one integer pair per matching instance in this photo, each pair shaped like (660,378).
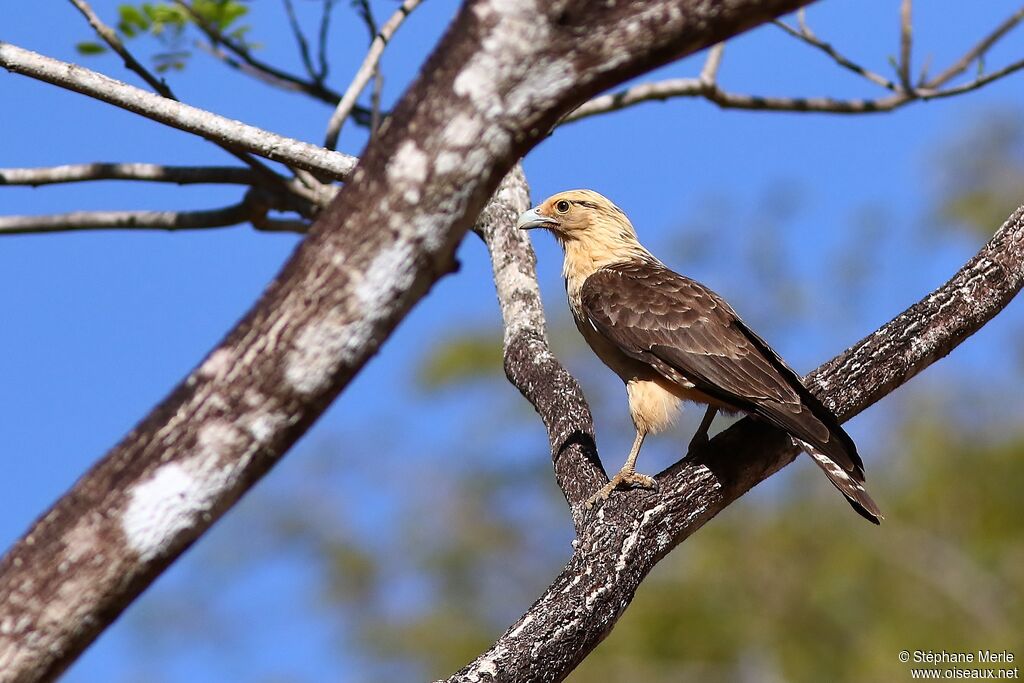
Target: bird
(672,339)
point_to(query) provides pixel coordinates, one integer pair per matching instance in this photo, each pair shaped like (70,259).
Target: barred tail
(850,484)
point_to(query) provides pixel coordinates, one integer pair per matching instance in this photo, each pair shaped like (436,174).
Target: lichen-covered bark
(504,73)
(620,542)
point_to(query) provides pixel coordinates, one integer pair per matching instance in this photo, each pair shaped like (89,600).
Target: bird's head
(580,215)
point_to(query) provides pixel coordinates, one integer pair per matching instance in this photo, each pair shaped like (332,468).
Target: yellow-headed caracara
(672,339)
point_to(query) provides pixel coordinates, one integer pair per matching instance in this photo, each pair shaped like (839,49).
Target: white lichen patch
(159,508)
(178,493)
(318,350)
(262,426)
(408,169)
(462,131)
(217,365)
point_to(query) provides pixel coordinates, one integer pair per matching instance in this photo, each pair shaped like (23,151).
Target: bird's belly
(652,406)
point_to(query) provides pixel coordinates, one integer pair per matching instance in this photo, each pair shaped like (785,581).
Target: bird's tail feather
(850,484)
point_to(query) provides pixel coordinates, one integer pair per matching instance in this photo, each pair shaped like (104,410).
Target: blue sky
(99,326)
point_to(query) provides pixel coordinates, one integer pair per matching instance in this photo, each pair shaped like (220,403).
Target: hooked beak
(531,219)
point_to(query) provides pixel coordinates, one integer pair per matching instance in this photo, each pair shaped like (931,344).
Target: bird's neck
(583,258)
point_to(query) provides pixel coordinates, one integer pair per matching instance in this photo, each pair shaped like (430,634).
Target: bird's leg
(700,438)
(627,476)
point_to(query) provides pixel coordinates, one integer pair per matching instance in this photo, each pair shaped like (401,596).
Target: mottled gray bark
(620,542)
(503,75)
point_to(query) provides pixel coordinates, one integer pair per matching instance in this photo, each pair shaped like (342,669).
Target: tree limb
(905,93)
(126,220)
(502,76)
(366,71)
(620,542)
(175,114)
(75,173)
(529,363)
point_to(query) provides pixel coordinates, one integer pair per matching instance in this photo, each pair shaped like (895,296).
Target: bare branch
(529,363)
(709,72)
(979,82)
(238,56)
(300,39)
(978,50)
(175,114)
(630,533)
(325,25)
(180,175)
(804,33)
(111,38)
(365,72)
(370,256)
(906,44)
(647,92)
(126,220)
(691,87)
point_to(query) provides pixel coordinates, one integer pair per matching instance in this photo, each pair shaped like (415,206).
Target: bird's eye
(562,206)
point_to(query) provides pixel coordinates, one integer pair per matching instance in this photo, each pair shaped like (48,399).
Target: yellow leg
(700,438)
(627,476)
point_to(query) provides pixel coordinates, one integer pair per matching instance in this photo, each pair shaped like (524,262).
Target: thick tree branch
(529,363)
(175,114)
(623,539)
(503,75)
(366,71)
(76,173)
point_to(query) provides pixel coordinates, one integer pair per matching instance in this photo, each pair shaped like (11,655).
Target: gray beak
(531,219)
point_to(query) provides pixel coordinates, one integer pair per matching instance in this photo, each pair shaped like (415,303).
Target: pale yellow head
(593,232)
(580,215)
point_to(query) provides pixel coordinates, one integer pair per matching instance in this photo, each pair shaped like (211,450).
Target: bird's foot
(623,480)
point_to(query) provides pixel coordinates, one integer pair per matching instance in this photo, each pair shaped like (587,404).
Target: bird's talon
(623,480)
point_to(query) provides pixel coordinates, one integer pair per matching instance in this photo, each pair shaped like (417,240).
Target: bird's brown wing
(687,332)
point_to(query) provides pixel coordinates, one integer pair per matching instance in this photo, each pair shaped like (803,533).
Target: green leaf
(90,48)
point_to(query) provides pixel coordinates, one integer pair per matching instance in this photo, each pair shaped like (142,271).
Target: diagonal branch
(502,76)
(366,71)
(978,51)
(529,363)
(175,114)
(623,540)
(804,33)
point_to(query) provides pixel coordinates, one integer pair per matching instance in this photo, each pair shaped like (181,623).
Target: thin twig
(366,71)
(906,44)
(709,72)
(246,63)
(325,25)
(978,50)
(180,175)
(175,114)
(804,33)
(300,38)
(111,38)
